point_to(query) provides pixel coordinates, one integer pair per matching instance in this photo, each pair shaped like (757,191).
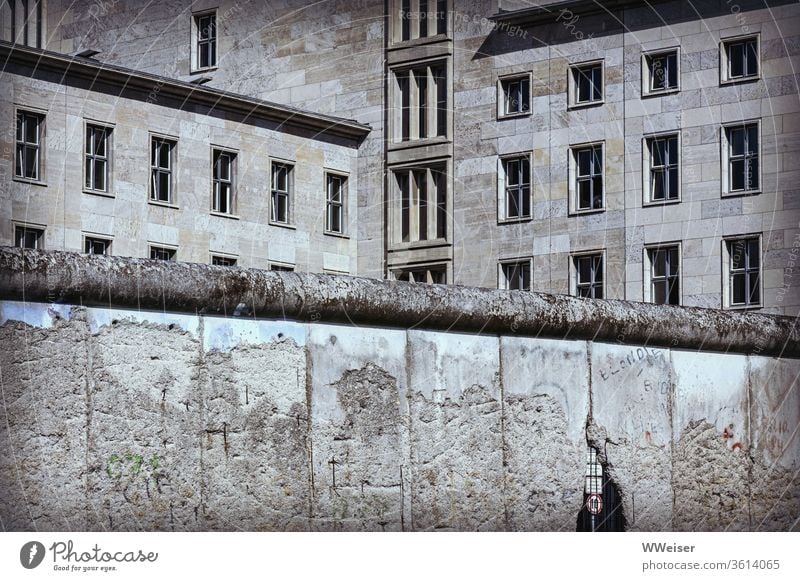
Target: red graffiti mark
(727,434)
(737,446)
(648,437)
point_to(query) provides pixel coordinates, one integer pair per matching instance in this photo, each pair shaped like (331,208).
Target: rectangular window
(587,163)
(223,261)
(664,177)
(517,187)
(515,275)
(664,275)
(662,71)
(589,276)
(224,185)
(335,203)
(281,267)
(421,103)
(92,245)
(744,272)
(742,153)
(587,84)
(28,159)
(424,275)
(281,192)
(516,95)
(206,40)
(162,253)
(422,200)
(740,58)
(28,237)
(98,153)
(419,19)
(161,166)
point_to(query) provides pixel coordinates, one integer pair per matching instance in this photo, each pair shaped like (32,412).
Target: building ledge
(566,10)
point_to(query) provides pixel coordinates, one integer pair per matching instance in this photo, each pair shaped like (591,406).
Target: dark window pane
(405,19)
(736,59)
(751,56)
(753,253)
(674,292)
(423,18)
(584,194)
(673,182)
(755,290)
(584,162)
(512,172)
(737,175)
(32,129)
(738,282)
(100,175)
(660,292)
(752,174)
(441,17)
(163,186)
(597,193)
(526,201)
(672,70)
(30,168)
(752,139)
(737,138)
(659,259)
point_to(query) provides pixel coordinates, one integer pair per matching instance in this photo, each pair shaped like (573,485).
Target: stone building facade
(640,152)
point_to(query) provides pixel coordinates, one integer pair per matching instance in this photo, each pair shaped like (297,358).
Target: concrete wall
(145,419)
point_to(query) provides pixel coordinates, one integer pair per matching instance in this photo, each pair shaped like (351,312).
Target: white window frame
(41,148)
(647,71)
(90,158)
(87,236)
(647,263)
(724,68)
(727,291)
(172,170)
(725,158)
(196,40)
(40,228)
(502,280)
(647,161)
(573,82)
(573,177)
(289,192)
(502,99)
(232,181)
(341,204)
(573,270)
(158,246)
(502,197)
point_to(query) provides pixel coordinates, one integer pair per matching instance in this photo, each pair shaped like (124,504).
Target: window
(587,183)
(161,164)
(335,200)
(424,275)
(419,19)
(661,72)
(28,237)
(422,197)
(515,188)
(515,275)
(662,178)
(743,272)
(97,151)
(741,158)
(162,253)
(420,103)
(281,267)
(21,22)
(282,176)
(740,59)
(586,86)
(93,245)
(30,129)
(663,275)
(588,275)
(224,170)
(205,29)
(223,260)
(516,95)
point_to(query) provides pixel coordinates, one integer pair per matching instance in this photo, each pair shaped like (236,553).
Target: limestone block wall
(314,406)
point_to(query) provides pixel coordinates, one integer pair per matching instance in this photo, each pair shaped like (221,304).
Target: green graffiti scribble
(137,460)
(111,460)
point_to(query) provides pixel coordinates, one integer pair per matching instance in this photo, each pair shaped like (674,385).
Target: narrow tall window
(741,58)
(161,166)
(664,176)
(664,280)
(281,192)
(28,159)
(516,95)
(422,201)
(743,151)
(516,275)
(97,158)
(420,103)
(27,237)
(588,181)
(224,185)
(419,19)
(587,83)
(589,276)
(92,245)
(662,69)
(206,25)
(335,200)
(744,272)
(517,173)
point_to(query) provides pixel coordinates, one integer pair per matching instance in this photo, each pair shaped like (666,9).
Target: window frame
(724,59)
(648,265)
(172,170)
(405,74)
(289,192)
(433,203)
(276,266)
(342,204)
(502,276)
(396,23)
(725,158)
(573,88)
(41,145)
(158,246)
(109,158)
(223,256)
(647,71)
(233,180)
(502,101)
(574,281)
(647,168)
(196,67)
(727,258)
(502,188)
(25,226)
(572,178)
(427,268)
(91,236)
